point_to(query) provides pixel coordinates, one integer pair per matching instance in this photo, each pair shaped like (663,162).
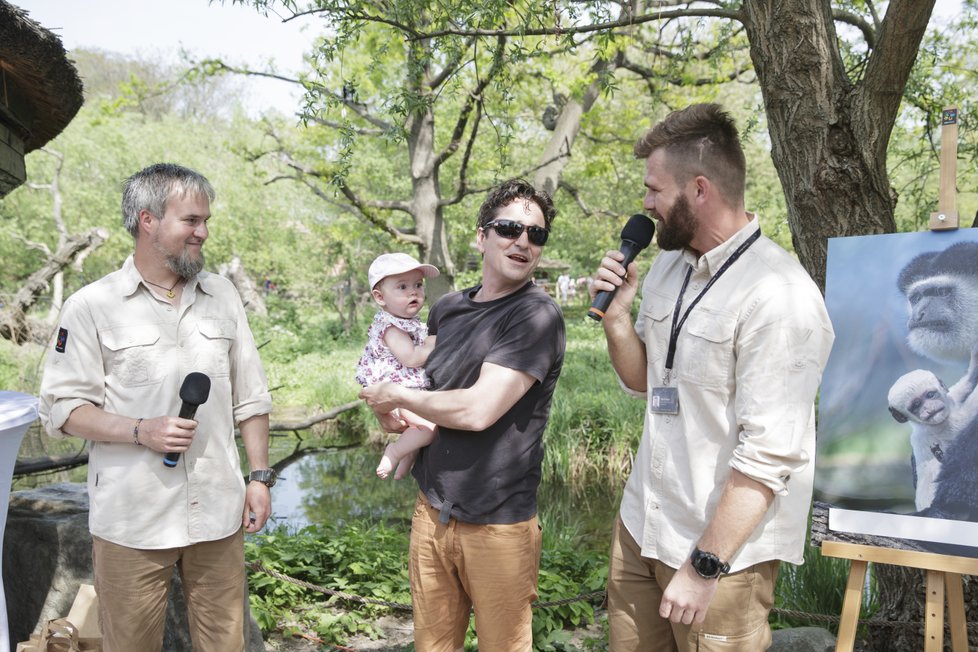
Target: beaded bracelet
(135,432)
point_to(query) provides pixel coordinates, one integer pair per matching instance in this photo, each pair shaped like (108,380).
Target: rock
(47,554)
(803,639)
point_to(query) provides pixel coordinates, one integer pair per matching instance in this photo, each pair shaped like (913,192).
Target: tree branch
(626,21)
(890,64)
(214,66)
(849,18)
(461,187)
(14,315)
(450,67)
(40,246)
(649,74)
(333,124)
(475,97)
(349,14)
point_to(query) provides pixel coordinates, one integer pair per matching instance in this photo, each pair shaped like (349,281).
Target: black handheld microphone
(194,391)
(635,237)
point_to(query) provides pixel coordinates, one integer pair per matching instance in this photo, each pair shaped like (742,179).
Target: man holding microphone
(114,376)
(728,348)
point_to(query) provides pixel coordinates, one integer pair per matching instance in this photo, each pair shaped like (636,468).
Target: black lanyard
(677,322)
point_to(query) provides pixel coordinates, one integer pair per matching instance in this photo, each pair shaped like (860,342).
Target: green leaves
(371,561)
(368,561)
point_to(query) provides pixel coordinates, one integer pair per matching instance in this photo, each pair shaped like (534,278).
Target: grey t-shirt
(492,476)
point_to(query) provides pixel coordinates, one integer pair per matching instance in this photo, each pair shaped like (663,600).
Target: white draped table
(17,412)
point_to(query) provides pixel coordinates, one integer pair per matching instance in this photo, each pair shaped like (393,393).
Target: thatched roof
(41,91)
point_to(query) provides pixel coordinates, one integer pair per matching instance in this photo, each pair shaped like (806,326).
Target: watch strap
(265,476)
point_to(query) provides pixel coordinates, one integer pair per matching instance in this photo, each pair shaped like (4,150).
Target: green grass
(817,587)
(370,560)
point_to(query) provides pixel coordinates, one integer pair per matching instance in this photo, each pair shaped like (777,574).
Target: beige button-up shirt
(127,352)
(747,366)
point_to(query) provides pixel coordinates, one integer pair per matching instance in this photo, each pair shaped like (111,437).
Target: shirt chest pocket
(134,356)
(657,319)
(705,353)
(212,346)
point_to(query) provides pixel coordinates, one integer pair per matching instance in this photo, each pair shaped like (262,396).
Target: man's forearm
(95,424)
(254,436)
(627,353)
(474,408)
(742,507)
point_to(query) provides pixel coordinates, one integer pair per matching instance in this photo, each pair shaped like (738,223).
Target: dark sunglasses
(512,230)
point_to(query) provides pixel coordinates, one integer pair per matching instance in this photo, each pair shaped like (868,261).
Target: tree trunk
(425,201)
(829,135)
(251,297)
(557,153)
(13,318)
(430,221)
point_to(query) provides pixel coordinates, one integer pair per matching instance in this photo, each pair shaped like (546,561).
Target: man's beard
(184,265)
(677,229)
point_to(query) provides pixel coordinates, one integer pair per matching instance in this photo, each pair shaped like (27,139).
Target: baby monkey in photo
(938,415)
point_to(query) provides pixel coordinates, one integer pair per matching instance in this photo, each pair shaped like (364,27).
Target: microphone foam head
(196,388)
(639,229)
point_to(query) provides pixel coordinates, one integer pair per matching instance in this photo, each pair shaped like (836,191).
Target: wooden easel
(946,216)
(943,576)
(943,571)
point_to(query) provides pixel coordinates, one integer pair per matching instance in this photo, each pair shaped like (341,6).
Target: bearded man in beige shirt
(113,376)
(729,346)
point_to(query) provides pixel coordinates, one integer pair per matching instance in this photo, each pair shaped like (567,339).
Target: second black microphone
(635,236)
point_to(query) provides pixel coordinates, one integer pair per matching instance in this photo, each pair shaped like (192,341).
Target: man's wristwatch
(265,476)
(707,565)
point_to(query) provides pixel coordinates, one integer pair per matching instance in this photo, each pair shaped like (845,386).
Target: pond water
(327,486)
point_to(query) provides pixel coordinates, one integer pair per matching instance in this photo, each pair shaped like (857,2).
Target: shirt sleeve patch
(62,340)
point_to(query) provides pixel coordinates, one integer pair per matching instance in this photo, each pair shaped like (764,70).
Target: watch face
(707,565)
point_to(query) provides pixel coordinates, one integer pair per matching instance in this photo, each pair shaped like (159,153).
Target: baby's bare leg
(408,442)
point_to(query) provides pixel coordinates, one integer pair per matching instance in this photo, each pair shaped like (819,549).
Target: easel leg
(955,612)
(934,612)
(849,620)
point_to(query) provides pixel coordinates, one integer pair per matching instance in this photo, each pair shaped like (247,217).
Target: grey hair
(150,188)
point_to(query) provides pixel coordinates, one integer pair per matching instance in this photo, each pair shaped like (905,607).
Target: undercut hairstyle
(507,192)
(700,140)
(151,188)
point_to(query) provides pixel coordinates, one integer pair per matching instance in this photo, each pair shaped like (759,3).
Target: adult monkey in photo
(942,299)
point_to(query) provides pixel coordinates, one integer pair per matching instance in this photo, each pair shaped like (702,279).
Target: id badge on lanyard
(664,400)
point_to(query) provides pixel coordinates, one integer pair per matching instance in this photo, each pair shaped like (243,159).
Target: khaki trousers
(735,621)
(455,567)
(133,585)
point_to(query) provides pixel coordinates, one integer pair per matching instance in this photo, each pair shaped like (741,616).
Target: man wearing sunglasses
(729,346)
(475,541)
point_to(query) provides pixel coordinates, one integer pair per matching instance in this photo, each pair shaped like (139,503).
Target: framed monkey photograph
(897,445)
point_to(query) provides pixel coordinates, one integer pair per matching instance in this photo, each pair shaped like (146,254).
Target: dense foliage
(370,561)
